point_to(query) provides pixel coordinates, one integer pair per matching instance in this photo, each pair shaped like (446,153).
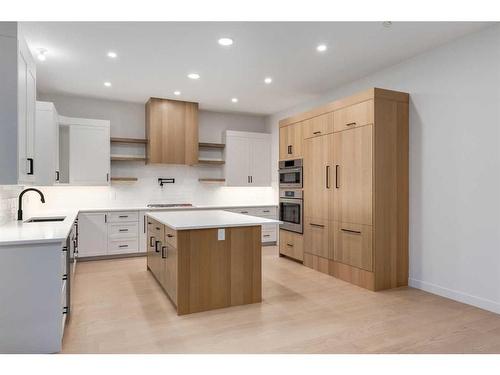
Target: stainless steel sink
(45,219)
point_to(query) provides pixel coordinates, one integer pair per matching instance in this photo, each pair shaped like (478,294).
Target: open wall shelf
(127,158)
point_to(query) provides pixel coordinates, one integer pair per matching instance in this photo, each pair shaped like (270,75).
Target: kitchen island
(206,260)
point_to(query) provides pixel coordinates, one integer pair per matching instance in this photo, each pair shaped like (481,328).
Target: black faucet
(20,206)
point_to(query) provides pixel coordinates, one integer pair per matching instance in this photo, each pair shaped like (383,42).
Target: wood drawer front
(353,245)
(118,217)
(123,230)
(317,126)
(171,236)
(292,245)
(130,245)
(316,237)
(353,116)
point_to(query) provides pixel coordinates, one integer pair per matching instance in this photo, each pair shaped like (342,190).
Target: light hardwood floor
(119,308)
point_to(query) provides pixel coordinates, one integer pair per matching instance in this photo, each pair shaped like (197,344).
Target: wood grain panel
(317,263)
(291,245)
(353,116)
(353,244)
(318,126)
(317,237)
(353,275)
(291,142)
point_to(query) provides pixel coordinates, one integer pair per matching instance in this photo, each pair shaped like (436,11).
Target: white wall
(127,120)
(454,164)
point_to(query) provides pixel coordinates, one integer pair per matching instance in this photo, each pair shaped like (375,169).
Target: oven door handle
(291,200)
(290,170)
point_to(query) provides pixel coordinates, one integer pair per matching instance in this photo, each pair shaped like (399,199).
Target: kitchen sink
(45,219)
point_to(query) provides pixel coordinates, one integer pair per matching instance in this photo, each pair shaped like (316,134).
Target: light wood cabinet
(292,245)
(291,141)
(318,126)
(171,131)
(356,188)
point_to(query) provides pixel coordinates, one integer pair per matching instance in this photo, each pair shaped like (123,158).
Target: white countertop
(145,208)
(22,233)
(204,219)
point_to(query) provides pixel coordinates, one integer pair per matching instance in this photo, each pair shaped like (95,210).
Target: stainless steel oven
(291,174)
(291,210)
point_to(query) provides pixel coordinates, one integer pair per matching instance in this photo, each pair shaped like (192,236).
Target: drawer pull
(350,123)
(151,241)
(266,211)
(65,276)
(317,225)
(337,176)
(267,235)
(123,216)
(317,132)
(164,252)
(123,246)
(170,235)
(350,231)
(243,212)
(65,310)
(156,246)
(123,230)
(158,228)
(289,244)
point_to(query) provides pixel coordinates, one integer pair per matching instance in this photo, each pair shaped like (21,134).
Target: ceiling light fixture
(234,100)
(112,55)
(42,54)
(225,42)
(387,24)
(321,48)
(193,76)
(107,84)
(268,80)
(177,93)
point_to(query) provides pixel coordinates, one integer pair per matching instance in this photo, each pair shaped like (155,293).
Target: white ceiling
(154,58)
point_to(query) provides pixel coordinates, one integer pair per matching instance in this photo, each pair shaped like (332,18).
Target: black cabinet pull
(65,249)
(105,218)
(57,175)
(289,149)
(65,276)
(31,167)
(123,216)
(317,132)
(243,212)
(328,177)
(350,123)
(151,241)
(317,225)
(170,235)
(123,230)
(158,228)
(65,310)
(164,252)
(107,177)
(121,246)
(350,231)
(156,246)
(337,176)
(289,244)
(267,235)
(266,211)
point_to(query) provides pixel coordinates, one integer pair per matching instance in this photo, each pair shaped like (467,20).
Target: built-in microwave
(290,172)
(291,210)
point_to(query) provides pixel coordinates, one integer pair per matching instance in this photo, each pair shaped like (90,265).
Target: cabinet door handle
(317,132)
(57,175)
(123,216)
(317,225)
(337,169)
(266,211)
(144,223)
(328,177)
(156,246)
(151,241)
(31,167)
(289,244)
(350,123)
(123,230)
(243,212)
(164,252)
(289,149)
(267,235)
(121,246)
(158,228)
(107,177)
(251,179)
(105,218)
(170,235)
(350,231)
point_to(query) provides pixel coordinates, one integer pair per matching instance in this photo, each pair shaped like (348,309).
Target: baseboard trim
(456,295)
(108,257)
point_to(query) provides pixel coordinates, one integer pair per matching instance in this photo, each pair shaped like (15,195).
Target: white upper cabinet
(17,108)
(47,144)
(248,158)
(85,159)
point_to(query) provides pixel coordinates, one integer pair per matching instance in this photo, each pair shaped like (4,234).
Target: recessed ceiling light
(321,48)
(225,41)
(387,24)
(268,80)
(112,55)
(107,84)
(177,93)
(42,54)
(193,76)
(234,100)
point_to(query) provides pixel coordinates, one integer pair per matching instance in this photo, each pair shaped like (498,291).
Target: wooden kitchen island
(206,259)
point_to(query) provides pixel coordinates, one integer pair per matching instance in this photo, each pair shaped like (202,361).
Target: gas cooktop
(169,205)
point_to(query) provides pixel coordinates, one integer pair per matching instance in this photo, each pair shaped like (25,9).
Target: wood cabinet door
(355,115)
(92,234)
(317,176)
(170,271)
(353,245)
(291,141)
(317,237)
(318,126)
(352,175)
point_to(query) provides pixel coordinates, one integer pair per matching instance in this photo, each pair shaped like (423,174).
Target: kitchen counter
(21,232)
(145,208)
(205,219)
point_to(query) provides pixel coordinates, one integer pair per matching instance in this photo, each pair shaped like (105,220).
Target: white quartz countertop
(22,233)
(145,208)
(204,219)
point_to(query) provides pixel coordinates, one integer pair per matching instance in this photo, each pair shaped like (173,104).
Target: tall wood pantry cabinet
(171,131)
(355,154)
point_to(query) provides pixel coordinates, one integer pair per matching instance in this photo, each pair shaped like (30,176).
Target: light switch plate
(221,234)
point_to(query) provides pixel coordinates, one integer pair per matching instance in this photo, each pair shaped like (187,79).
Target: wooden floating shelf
(211,162)
(211,145)
(129,140)
(212,179)
(127,179)
(128,158)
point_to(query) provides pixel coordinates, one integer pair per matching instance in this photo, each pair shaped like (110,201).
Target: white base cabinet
(92,234)
(269,232)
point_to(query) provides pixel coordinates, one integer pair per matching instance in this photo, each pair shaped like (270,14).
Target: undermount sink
(45,219)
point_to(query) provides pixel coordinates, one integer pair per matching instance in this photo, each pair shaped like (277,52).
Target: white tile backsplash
(8,202)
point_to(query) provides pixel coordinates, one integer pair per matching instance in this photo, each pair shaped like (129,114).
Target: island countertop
(186,220)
